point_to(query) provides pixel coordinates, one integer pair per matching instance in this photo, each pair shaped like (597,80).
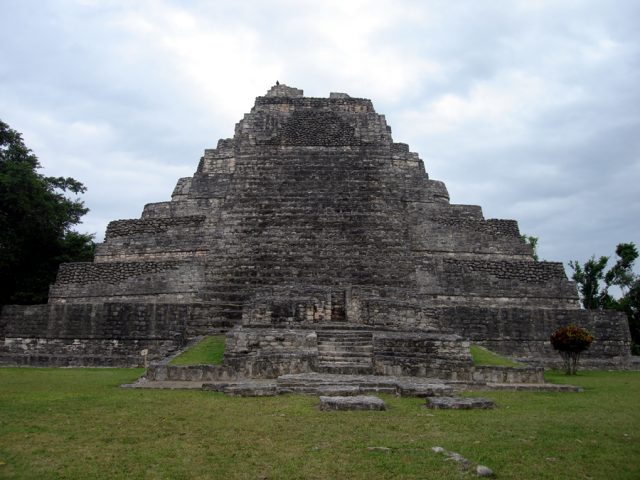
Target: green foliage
(630,304)
(482,356)
(533,243)
(78,424)
(36,218)
(571,341)
(621,274)
(588,278)
(209,351)
(596,295)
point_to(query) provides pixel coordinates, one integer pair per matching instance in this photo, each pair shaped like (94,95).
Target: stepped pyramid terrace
(318,245)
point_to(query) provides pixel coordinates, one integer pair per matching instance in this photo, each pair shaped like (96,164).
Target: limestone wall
(524,333)
(421,355)
(269,353)
(169,281)
(155,239)
(90,334)
(150,226)
(487,282)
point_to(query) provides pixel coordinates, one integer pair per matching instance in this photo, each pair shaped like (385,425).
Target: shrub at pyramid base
(318,244)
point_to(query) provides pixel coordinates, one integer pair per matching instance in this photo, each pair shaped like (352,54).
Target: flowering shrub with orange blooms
(571,341)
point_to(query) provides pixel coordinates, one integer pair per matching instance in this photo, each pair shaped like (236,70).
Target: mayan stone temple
(317,244)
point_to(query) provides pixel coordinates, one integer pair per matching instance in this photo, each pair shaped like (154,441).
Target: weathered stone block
(359,402)
(459,403)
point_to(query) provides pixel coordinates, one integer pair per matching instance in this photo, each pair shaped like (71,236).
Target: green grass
(482,357)
(77,424)
(207,351)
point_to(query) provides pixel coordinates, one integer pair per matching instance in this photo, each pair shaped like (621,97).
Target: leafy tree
(594,283)
(570,342)
(588,278)
(621,274)
(533,243)
(630,304)
(36,218)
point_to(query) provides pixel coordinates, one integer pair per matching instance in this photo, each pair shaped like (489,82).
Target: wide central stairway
(345,352)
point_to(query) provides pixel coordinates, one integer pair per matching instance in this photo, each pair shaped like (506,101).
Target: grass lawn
(208,351)
(77,423)
(482,356)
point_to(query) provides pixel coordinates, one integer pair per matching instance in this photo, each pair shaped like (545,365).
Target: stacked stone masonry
(319,244)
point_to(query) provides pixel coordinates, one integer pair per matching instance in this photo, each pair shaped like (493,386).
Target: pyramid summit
(318,244)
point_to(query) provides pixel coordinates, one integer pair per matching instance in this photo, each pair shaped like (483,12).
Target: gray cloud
(527,108)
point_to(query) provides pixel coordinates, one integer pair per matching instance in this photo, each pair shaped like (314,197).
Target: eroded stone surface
(359,402)
(459,403)
(321,245)
(318,384)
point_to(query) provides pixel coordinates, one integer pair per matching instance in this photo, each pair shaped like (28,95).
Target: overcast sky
(530,109)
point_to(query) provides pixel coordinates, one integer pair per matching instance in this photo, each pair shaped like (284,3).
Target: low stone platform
(244,389)
(359,402)
(459,403)
(343,385)
(336,384)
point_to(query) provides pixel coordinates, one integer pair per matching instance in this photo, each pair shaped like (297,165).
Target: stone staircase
(345,352)
(346,385)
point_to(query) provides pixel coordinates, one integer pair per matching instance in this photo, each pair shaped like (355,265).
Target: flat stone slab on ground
(338,390)
(359,402)
(330,384)
(459,403)
(244,389)
(346,385)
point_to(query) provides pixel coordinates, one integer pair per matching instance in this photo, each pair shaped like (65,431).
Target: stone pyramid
(318,244)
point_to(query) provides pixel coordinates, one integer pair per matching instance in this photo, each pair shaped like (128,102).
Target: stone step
(313,384)
(351,384)
(345,344)
(352,335)
(244,389)
(345,351)
(346,369)
(339,362)
(329,327)
(345,362)
(329,348)
(323,389)
(345,347)
(325,379)
(344,354)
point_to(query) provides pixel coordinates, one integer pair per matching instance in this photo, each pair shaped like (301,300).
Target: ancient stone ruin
(319,245)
